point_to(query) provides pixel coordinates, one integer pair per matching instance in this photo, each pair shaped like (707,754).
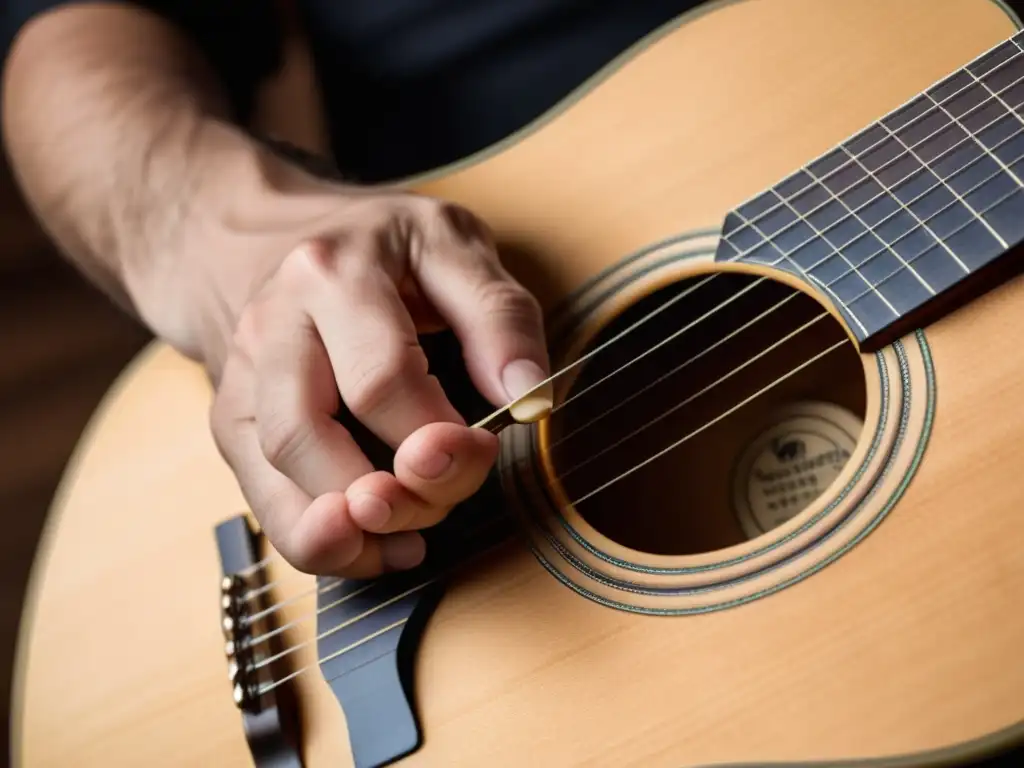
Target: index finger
(379,366)
(498,321)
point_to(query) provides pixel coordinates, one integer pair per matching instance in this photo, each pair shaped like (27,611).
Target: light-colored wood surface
(909,642)
(62,345)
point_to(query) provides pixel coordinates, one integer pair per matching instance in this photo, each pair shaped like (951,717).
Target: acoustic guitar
(773,517)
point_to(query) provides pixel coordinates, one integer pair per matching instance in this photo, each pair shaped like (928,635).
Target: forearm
(119,137)
(100,109)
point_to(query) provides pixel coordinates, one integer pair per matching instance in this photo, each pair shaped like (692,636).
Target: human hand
(335,324)
(296,292)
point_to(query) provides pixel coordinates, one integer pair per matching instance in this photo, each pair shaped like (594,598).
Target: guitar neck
(909,217)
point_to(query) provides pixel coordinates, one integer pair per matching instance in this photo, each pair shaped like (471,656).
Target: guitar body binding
(827,575)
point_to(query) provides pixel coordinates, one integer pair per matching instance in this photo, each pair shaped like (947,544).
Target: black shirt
(413,84)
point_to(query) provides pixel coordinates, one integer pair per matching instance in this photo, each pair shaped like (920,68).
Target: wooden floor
(61,345)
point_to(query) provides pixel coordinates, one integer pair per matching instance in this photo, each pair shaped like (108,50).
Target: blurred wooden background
(61,345)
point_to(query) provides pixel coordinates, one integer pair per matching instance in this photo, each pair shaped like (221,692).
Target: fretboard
(904,212)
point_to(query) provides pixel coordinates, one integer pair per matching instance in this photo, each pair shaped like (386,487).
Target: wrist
(247,206)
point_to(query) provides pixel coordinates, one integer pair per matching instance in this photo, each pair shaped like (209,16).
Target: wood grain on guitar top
(907,643)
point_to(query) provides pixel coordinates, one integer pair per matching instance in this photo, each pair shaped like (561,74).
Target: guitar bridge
(269,716)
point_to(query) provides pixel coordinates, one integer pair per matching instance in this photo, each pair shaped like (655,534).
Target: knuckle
(245,338)
(282,437)
(221,423)
(508,298)
(445,221)
(228,410)
(432,209)
(466,225)
(380,375)
(221,418)
(388,234)
(310,263)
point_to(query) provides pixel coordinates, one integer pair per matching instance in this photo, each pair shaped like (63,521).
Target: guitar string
(991,99)
(352,620)
(995,96)
(271,609)
(905,265)
(321,589)
(689,361)
(846,165)
(250,570)
(590,494)
(259,591)
(271,633)
(636,468)
(960,228)
(328,587)
(293,648)
(325,588)
(738,369)
(852,212)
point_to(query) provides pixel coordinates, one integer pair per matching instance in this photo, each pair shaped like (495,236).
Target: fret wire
(827,286)
(981,146)
(811,278)
(741,254)
(871,229)
(1019,47)
(997,203)
(962,227)
(839,253)
(920,117)
(996,96)
(956,194)
(946,207)
(883,194)
(881,251)
(906,208)
(952,96)
(745,252)
(894,213)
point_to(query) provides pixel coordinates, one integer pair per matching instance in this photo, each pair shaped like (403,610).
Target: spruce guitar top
(773,516)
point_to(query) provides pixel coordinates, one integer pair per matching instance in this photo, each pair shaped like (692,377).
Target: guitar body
(683,620)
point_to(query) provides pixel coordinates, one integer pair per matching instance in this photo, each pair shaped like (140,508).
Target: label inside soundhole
(792,463)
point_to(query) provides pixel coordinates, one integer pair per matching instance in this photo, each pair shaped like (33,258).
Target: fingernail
(401,551)
(370,512)
(431,466)
(521,376)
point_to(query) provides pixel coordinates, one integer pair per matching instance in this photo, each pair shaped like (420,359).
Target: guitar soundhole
(761,416)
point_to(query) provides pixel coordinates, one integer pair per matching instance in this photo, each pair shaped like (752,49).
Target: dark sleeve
(240,38)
